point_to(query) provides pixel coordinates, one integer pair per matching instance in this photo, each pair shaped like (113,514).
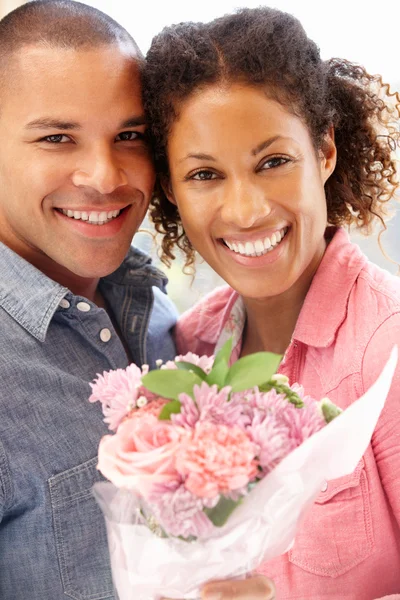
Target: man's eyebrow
(49,123)
(60,125)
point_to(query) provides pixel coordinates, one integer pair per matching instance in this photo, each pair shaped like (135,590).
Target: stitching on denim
(144,325)
(38,332)
(56,503)
(6,483)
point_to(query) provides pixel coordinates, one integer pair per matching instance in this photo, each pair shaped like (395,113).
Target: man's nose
(244,204)
(101,171)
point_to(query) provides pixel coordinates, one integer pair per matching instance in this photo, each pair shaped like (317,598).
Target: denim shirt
(52,343)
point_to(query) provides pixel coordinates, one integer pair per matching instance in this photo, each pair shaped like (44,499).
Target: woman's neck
(271,321)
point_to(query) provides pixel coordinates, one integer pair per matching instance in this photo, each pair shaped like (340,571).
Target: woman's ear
(328,154)
(167,189)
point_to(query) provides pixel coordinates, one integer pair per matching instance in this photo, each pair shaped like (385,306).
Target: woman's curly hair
(268,48)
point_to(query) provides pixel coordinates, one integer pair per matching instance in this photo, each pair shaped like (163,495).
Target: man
(75,181)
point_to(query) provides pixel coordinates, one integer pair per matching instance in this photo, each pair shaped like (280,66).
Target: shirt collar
(328,296)
(31,298)
(330,290)
(26,294)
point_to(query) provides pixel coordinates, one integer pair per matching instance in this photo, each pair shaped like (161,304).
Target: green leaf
(220,367)
(218,374)
(186,366)
(170,383)
(224,353)
(173,407)
(251,370)
(222,511)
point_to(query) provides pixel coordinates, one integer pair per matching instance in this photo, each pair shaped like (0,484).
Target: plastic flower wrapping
(212,466)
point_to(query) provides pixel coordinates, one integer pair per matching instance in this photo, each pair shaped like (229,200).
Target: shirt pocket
(80,533)
(336,535)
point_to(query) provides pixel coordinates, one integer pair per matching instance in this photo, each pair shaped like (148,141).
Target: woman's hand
(257,587)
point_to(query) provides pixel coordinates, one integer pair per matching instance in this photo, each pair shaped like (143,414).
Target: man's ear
(167,189)
(328,154)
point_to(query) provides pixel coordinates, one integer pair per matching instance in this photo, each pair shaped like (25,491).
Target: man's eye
(129,136)
(203,176)
(58,138)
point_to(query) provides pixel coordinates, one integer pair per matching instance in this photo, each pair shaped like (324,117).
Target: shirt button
(83,306)
(105,335)
(64,303)
(324,486)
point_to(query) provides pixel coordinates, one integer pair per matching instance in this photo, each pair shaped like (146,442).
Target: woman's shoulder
(199,327)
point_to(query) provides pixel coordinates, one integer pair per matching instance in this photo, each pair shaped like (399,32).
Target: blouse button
(83,306)
(105,335)
(324,486)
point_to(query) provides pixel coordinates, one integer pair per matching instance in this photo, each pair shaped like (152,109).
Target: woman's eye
(274,161)
(57,138)
(203,176)
(129,136)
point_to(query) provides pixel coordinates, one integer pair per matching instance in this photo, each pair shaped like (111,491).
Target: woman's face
(249,187)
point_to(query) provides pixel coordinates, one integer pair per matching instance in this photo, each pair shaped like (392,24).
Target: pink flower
(179,512)
(277,427)
(208,404)
(216,460)
(141,454)
(204,362)
(118,391)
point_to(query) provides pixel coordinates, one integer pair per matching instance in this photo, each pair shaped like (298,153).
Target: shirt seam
(5,480)
(368,343)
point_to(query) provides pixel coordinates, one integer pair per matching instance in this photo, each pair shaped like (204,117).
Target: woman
(264,151)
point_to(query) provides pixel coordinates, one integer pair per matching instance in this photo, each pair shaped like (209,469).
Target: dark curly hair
(268,48)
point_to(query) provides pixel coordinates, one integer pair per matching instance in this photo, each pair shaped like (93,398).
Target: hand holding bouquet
(212,467)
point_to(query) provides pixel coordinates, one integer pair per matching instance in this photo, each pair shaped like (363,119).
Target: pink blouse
(348,546)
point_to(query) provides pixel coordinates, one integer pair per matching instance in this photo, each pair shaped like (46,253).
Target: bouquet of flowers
(211,466)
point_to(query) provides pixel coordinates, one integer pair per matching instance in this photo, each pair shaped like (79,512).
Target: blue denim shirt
(52,343)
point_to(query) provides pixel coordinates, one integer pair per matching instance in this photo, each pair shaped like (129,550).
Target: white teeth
(258,247)
(93,217)
(249,248)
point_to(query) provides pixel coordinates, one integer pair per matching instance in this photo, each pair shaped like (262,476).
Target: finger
(253,588)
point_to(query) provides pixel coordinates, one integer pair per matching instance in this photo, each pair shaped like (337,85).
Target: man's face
(75,170)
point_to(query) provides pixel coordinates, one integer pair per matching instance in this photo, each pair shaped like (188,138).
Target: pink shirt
(348,546)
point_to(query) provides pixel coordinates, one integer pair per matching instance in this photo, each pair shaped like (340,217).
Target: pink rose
(217,460)
(141,454)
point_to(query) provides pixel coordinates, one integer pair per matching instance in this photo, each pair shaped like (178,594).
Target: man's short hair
(60,24)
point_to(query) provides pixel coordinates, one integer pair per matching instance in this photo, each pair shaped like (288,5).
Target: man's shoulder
(138,268)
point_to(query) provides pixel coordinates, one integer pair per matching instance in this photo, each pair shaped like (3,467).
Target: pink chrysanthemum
(277,427)
(118,392)
(208,404)
(204,362)
(179,512)
(216,460)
